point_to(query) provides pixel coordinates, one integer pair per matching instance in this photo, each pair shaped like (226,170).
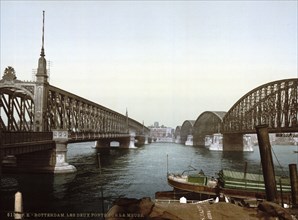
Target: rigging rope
(260,174)
(282,170)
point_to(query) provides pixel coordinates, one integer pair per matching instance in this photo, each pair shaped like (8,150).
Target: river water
(133,173)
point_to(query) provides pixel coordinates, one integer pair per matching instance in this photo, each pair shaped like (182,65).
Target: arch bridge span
(186,129)
(208,123)
(274,103)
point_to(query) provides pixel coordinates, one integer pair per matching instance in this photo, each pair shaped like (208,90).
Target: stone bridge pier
(34,162)
(140,140)
(61,165)
(233,142)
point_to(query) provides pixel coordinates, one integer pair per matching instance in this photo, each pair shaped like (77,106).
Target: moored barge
(233,184)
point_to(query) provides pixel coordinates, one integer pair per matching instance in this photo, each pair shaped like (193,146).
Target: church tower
(41,89)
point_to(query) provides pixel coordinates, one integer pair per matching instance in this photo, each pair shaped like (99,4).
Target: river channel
(132,173)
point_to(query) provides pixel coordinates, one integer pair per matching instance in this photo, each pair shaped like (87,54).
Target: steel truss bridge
(29,109)
(62,111)
(274,103)
(38,107)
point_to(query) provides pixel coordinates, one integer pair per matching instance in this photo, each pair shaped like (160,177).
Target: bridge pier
(124,142)
(199,140)
(232,142)
(178,139)
(34,162)
(146,139)
(132,142)
(47,161)
(103,143)
(61,165)
(1,157)
(140,140)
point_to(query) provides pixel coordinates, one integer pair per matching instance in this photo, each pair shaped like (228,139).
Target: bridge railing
(21,137)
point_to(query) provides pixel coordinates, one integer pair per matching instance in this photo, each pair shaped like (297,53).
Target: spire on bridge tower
(41,90)
(41,75)
(42,40)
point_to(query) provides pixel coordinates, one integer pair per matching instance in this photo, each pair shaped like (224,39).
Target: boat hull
(230,192)
(192,187)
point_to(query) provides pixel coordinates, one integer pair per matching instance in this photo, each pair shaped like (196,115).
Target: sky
(163,61)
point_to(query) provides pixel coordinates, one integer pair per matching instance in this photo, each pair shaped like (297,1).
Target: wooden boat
(233,184)
(197,184)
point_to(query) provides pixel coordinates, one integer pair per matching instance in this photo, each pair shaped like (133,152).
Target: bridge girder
(70,112)
(274,103)
(64,110)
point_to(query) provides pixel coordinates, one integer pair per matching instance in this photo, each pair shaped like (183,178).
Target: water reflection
(61,183)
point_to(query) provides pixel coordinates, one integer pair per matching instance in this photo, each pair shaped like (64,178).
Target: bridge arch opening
(208,123)
(186,130)
(115,144)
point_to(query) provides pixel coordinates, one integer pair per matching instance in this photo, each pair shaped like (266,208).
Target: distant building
(161,133)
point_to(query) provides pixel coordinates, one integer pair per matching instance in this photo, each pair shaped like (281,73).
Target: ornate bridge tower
(41,90)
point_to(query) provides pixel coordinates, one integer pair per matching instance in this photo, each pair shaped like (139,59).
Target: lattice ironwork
(73,113)
(274,103)
(16,110)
